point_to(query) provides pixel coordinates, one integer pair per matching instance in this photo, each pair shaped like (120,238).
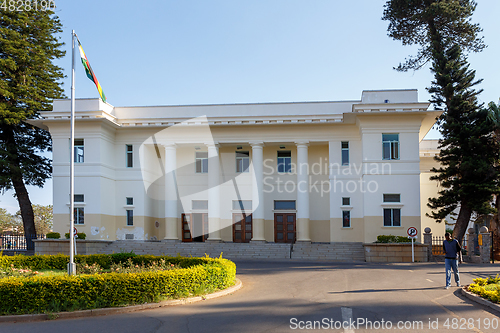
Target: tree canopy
(29,81)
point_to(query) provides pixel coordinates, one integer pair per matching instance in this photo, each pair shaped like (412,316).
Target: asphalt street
(290,296)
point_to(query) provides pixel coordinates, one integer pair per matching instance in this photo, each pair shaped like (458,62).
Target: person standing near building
(452,255)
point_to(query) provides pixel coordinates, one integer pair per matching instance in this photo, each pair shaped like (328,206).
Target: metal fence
(18,242)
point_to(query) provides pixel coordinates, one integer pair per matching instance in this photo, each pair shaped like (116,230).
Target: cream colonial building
(343,171)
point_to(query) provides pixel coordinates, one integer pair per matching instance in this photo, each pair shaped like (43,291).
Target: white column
(171,216)
(302,192)
(258,191)
(213,192)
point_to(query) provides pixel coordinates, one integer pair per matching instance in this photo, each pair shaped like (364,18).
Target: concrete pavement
(284,296)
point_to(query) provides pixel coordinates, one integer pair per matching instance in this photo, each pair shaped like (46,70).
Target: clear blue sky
(164,52)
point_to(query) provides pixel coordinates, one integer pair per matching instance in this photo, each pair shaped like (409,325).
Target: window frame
(130,217)
(129,156)
(284,161)
(241,160)
(391,217)
(394,147)
(346,213)
(342,149)
(77,148)
(202,161)
(79,215)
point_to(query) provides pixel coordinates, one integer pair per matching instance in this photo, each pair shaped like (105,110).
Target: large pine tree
(444,32)
(29,81)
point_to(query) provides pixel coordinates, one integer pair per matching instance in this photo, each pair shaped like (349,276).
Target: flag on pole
(90,72)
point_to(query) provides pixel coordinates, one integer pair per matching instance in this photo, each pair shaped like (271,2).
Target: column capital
(212,144)
(256,143)
(302,143)
(169,145)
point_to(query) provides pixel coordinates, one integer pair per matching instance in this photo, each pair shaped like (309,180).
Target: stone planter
(394,252)
(57,246)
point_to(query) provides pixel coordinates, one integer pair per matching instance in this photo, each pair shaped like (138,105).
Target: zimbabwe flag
(90,72)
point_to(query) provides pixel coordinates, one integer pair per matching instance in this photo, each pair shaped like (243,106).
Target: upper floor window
(242,204)
(284,161)
(345,152)
(78,198)
(346,201)
(200,204)
(79,150)
(130,201)
(284,204)
(201,162)
(392,197)
(390,146)
(242,161)
(130,156)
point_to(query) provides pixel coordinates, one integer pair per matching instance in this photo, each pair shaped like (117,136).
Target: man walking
(452,254)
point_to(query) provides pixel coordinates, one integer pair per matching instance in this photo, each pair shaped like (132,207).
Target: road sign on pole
(412,233)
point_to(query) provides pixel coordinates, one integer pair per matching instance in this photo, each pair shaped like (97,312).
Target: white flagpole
(71,265)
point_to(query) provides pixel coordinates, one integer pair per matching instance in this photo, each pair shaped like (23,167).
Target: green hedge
(392,239)
(40,294)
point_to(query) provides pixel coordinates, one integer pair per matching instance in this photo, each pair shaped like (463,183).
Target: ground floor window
(130,217)
(346,219)
(392,217)
(79,215)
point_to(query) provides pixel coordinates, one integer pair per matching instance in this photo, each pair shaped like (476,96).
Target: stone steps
(303,251)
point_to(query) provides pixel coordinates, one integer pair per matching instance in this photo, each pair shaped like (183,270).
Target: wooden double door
(242,228)
(284,227)
(195,227)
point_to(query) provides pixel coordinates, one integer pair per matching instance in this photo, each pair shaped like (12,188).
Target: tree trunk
(462,222)
(19,187)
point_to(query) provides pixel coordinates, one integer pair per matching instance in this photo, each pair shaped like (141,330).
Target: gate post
(484,248)
(428,242)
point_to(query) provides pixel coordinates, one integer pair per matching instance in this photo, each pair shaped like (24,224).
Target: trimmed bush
(487,288)
(392,239)
(79,235)
(53,235)
(65,293)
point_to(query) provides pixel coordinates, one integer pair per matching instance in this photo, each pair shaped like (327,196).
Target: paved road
(274,293)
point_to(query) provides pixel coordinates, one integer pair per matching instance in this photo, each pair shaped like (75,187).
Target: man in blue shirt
(453,254)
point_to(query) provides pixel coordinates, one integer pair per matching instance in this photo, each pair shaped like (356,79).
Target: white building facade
(280,172)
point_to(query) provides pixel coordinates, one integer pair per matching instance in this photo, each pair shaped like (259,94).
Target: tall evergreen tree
(444,32)
(29,81)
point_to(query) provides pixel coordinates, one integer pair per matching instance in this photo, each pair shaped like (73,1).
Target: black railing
(18,242)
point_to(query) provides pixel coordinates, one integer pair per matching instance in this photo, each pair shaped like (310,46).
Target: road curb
(118,310)
(478,299)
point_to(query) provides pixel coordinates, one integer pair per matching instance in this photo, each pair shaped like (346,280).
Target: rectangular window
(78,198)
(200,204)
(242,161)
(130,156)
(130,217)
(346,201)
(392,217)
(79,150)
(390,146)
(285,161)
(345,152)
(201,162)
(242,204)
(78,215)
(284,204)
(130,201)
(346,219)
(392,197)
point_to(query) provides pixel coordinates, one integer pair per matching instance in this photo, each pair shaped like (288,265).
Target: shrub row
(392,239)
(40,294)
(60,261)
(487,288)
